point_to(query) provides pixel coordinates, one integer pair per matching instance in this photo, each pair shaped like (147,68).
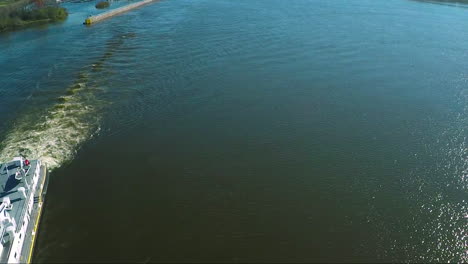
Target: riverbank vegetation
(20,13)
(102,4)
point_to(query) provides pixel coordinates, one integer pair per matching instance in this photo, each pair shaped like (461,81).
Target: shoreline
(26,24)
(14,17)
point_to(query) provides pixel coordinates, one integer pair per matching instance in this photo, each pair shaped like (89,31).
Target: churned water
(246,131)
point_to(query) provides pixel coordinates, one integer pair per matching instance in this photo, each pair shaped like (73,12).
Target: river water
(247,130)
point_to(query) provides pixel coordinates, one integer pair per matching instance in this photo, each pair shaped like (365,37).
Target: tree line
(23,12)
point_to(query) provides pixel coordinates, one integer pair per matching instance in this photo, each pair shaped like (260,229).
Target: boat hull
(33,228)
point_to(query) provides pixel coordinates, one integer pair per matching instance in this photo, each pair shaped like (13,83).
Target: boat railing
(26,203)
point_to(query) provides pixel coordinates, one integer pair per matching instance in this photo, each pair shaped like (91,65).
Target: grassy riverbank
(22,13)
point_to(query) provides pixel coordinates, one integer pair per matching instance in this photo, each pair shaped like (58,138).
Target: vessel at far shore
(23,186)
(94,19)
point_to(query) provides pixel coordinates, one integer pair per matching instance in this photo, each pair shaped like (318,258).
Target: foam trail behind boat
(55,135)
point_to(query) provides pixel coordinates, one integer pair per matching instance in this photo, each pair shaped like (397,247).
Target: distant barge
(94,19)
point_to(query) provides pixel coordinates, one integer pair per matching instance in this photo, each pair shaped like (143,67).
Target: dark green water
(247,131)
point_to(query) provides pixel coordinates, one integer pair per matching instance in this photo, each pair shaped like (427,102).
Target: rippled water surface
(247,130)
